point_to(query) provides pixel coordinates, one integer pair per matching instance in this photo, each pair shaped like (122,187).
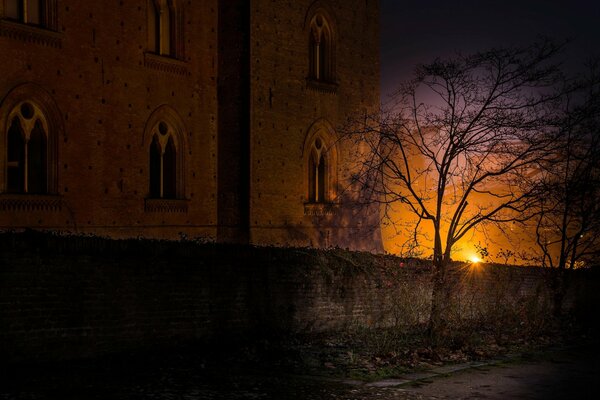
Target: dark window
(321,66)
(15,180)
(163,163)
(153,27)
(164,31)
(313,57)
(155,168)
(14,10)
(27,11)
(317,173)
(27,152)
(169,170)
(312,179)
(37,150)
(320,198)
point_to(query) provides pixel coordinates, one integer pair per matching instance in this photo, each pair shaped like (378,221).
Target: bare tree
(453,146)
(567,210)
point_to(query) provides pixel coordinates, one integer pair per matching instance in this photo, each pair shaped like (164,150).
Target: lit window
(27,151)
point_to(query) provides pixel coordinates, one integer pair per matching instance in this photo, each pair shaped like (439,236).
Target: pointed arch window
(27,150)
(320,155)
(320,162)
(163,163)
(321,50)
(164,28)
(317,173)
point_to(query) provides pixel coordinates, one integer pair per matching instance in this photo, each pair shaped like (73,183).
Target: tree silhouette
(567,211)
(452,148)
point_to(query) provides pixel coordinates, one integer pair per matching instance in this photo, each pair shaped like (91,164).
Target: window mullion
(25,11)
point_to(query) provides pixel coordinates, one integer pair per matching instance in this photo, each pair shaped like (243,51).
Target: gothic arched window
(321,50)
(317,173)
(27,150)
(320,163)
(30,126)
(164,168)
(164,28)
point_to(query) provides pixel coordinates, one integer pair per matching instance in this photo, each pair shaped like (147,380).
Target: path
(568,374)
(572,373)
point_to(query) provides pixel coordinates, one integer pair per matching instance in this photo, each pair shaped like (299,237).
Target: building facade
(206,119)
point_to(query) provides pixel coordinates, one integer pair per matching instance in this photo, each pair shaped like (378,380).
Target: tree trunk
(559,291)
(440,300)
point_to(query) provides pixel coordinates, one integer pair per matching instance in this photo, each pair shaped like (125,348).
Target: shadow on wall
(348,222)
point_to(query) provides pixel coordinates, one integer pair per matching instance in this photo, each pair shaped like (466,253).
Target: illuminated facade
(164,118)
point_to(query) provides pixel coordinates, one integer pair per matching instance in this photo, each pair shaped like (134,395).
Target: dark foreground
(569,373)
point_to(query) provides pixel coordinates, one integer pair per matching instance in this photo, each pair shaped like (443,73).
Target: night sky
(419,31)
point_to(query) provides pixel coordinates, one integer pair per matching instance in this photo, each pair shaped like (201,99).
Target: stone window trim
(321,209)
(166,206)
(320,86)
(53,125)
(16,202)
(166,64)
(320,138)
(30,34)
(166,116)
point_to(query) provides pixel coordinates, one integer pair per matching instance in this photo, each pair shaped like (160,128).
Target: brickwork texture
(65,297)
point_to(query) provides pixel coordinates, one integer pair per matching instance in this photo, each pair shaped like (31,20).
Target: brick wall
(285,110)
(105,85)
(63,297)
(244,110)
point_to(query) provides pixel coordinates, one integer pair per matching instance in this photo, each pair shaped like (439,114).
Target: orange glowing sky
(415,32)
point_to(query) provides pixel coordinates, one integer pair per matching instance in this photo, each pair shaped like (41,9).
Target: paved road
(568,374)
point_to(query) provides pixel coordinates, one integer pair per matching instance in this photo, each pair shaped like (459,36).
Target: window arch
(320,164)
(165,28)
(30,125)
(321,47)
(165,146)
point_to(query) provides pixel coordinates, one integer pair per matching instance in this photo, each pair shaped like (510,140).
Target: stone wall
(64,297)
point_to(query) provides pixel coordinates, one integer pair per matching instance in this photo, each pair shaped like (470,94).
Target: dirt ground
(570,373)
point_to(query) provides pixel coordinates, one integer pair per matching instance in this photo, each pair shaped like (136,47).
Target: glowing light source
(475,259)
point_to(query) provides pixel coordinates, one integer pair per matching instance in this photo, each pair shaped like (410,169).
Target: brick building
(204,118)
